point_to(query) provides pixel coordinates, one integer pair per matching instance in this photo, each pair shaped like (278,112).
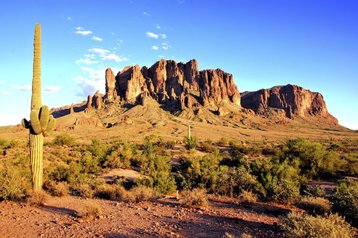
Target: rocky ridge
(181,87)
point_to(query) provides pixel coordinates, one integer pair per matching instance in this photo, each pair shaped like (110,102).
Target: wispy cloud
(22,87)
(152,35)
(52,89)
(163,36)
(97,38)
(154,47)
(157,26)
(146,14)
(69,18)
(104,54)
(82,31)
(6,93)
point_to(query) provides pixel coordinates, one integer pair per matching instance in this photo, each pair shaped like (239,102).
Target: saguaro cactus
(41,122)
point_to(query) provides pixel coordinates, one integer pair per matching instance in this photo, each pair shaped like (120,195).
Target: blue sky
(263,43)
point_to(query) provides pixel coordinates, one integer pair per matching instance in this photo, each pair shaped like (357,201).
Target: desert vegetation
(251,173)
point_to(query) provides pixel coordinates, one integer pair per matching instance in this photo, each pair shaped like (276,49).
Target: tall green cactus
(41,122)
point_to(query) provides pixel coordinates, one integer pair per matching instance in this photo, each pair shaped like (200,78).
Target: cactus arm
(35,122)
(25,123)
(44,117)
(51,125)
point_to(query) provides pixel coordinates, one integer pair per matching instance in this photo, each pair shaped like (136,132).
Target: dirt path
(163,218)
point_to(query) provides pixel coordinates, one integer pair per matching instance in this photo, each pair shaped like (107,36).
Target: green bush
(232,181)
(13,184)
(158,176)
(331,226)
(199,172)
(314,191)
(63,139)
(345,200)
(315,205)
(247,197)
(285,192)
(191,143)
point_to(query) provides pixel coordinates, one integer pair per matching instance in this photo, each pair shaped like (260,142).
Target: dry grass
(315,205)
(139,194)
(194,198)
(89,210)
(331,226)
(247,197)
(38,198)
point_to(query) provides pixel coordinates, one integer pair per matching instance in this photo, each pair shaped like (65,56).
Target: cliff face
(178,84)
(294,100)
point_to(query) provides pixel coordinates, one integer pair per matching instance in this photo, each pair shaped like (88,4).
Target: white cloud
(97,38)
(81,31)
(161,56)
(69,18)
(154,47)
(157,26)
(163,36)
(146,14)
(152,35)
(86,61)
(99,51)
(2,81)
(165,46)
(52,89)
(107,55)
(22,87)
(6,93)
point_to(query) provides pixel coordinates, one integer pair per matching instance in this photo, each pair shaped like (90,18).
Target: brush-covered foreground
(188,188)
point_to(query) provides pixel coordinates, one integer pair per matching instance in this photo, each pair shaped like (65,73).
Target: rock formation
(178,84)
(294,100)
(110,85)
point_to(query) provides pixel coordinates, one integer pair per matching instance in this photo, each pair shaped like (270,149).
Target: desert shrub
(89,163)
(200,172)
(331,164)
(139,194)
(118,157)
(89,210)
(285,192)
(247,197)
(313,191)
(208,146)
(4,144)
(38,198)
(315,205)
(191,143)
(63,139)
(59,173)
(345,200)
(61,189)
(194,198)
(280,179)
(97,149)
(84,191)
(351,167)
(157,171)
(232,181)
(223,141)
(300,225)
(110,192)
(170,144)
(14,182)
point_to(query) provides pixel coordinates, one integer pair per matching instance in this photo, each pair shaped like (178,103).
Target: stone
(110,85)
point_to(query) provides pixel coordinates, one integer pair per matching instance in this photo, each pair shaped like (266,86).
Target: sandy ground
(162,218)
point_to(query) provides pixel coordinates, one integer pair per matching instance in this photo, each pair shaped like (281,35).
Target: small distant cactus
(41,122)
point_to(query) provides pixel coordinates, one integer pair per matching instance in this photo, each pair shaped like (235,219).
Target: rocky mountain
(181,87)
(293,99)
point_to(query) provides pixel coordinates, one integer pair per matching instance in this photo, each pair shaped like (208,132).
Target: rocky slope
(294,100)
